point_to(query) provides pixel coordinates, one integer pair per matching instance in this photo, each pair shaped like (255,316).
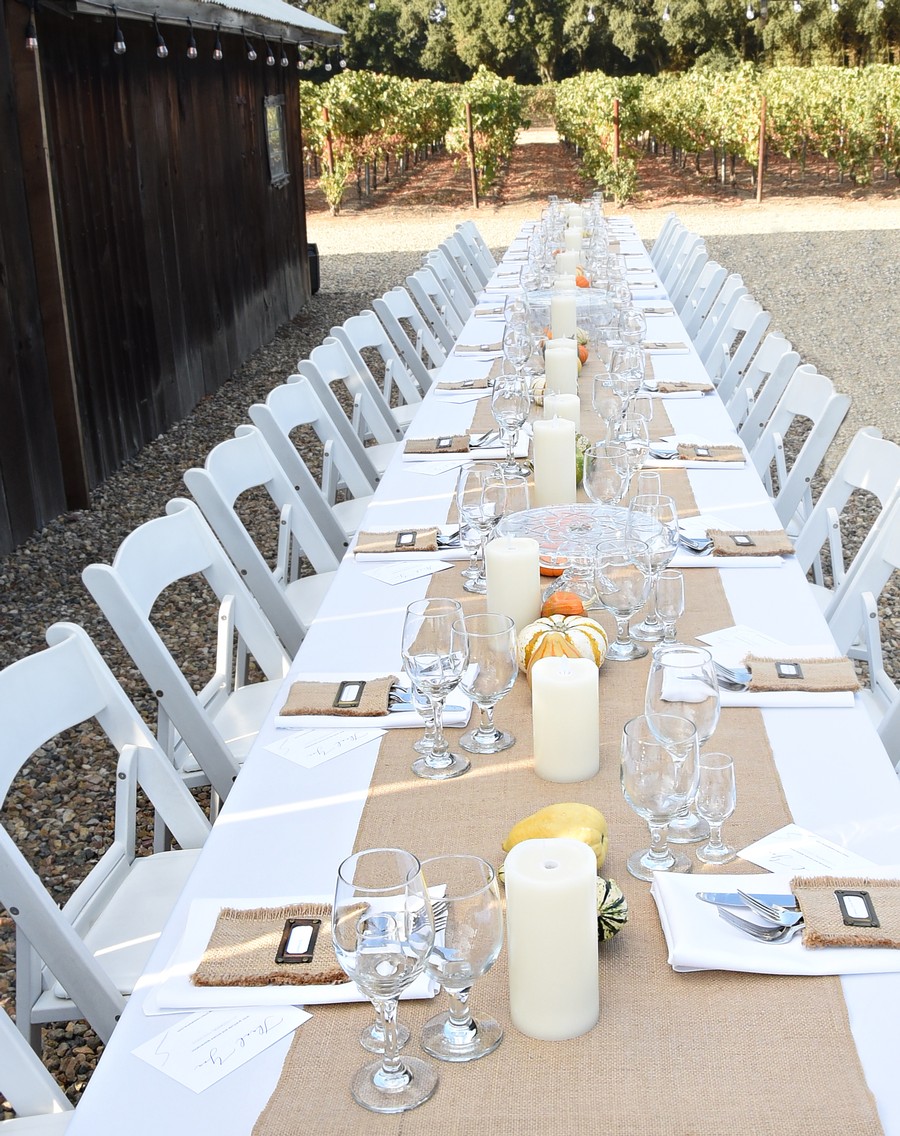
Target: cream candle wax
(565,710)
(512,566)
(554,462)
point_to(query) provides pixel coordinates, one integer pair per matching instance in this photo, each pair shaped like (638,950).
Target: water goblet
(383,930)
(626,363)
(605,473)
(434,654)
(682,681)
(470,539)
(715,801)
(634,434)
(465,948)
(659,775)
(608,399)
(488,676)
(622,577)
(648,482)
(425,744)
(517,345)
(632,326)
(481,502)
(669,601)
(518,494)
(653,518)
(510,404)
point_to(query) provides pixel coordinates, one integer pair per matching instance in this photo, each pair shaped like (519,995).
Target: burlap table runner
(398,540)
(812,674)
(824,924)
(333,698)
(243,945)
(766,542)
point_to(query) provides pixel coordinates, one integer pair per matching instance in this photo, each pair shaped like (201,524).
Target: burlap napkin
(242,949)
(464,384)
(766,542)
(810,675)
(824,923)
(476,348)
(667,387)
(398,540)
(447,444)
(352,698)
(710,453)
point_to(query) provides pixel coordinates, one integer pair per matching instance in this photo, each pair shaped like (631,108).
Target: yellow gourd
(570,636)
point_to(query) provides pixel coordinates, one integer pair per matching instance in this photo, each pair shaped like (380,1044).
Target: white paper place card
(796,849)
(400,573)
(730,646)
(310,748)
(432,468)
(205,1047)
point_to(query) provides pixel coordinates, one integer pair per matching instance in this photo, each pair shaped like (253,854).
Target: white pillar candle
(561,371)
(563,406)
(566,263)
(573,237)
(551,919)
(565,712)
(564,284)
(513,569)
(563,314)
(554,462)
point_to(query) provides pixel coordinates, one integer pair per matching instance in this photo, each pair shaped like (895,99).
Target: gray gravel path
(833,293)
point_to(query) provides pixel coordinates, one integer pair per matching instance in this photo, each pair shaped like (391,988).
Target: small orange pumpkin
(582,353)
(562,603)
(581,280)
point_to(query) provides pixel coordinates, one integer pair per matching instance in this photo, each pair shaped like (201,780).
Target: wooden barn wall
(180,257)
(31,484)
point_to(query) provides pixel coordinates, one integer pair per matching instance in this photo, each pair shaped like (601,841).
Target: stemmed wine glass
(682,681)
(632,326)
(659,776)
(510,404)
(715,802)
(481,501)
(383,930)
(434,655)
(669,601)
(632,431)
(605,475)
(622,576)
(488,676)
(626,363)
(653,518)
(517,345)
(465,948)
(607,399)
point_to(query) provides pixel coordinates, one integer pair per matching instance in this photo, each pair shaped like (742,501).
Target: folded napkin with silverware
(814,675)
(840,911)
(477,348)
(464,384)
(667,386)
(280,946)
(447,444)
(348,698)
(398,540)
(695,452)
(665,345)
(753,542)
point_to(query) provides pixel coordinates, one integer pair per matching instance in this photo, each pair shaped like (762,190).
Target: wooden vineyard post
(472,171)
(762,151)
(615,131)
(329,145)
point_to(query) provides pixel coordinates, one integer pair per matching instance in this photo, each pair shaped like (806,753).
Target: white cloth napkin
(684,558)
(697,939)
(173,990)
(398,720)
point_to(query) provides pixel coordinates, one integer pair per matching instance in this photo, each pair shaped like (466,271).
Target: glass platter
(555,525)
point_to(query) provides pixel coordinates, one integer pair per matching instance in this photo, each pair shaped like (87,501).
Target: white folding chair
(461,298)
(468,232)
(736,338)
(682,256)
(417,344)
(763,405)
(366,342)
(206,734)
(466,263)
(809,397)
(688,275)
(42,1108)
(678,234)
(83,959)
(889,732)
(370,415)
(722,307)
(871,464)
(694,308)
(666,233)
(774,363)
(436,305)
(234,467)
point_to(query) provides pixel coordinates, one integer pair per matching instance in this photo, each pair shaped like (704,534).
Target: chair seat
(306,594)
(126,931)
(349,514)
(404,414)
(381,453)
(240,718)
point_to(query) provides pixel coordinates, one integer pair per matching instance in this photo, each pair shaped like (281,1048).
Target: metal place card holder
(349,694)
(857,909)
(743,540)
(789,670)
(297,932)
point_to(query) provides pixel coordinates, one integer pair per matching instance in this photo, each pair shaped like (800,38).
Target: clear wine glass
(383,930)
(517,345)
(622,576)
(470,539)
(669,601)
(510,404)
(605,476)
(632,326)
(682,681)
(434,655)
(518,494)
(648,482)
(465,948)
(626,363)
(488,676)
(632,431)
(659,775)
(653,518)
(715,802)
(607,399)
(481,502)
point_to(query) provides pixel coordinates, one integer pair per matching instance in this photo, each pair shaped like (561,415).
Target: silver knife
(732,899)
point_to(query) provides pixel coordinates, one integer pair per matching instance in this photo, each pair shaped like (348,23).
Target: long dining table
(286,827)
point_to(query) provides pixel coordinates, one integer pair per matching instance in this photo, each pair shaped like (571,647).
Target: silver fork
(775,912)
(755,931)
(736,678)
(489,439)
(440,909)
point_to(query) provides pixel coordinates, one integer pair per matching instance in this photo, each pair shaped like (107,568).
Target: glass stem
(440,749)
(715,834)
(659,847)
(652,619)
(393,1074)
(460,1028)
(623,639)
(486,727)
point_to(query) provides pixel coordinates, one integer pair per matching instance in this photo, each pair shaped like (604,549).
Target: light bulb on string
(667,15)
(439,12)
(218,54)
(301,51)
(161,50)
(835,6)
(118,38)
(342,62)
(31,40)
(270,58)
(192,42)
(511,15)
(372,5)
(751,15)
(879,4)
(590,15)
(798,7)
(327,64)
(251,50)
(284,61)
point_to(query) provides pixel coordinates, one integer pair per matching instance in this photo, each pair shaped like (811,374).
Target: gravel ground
(827,273)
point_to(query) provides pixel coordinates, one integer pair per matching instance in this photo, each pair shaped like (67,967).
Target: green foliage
(498,114)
